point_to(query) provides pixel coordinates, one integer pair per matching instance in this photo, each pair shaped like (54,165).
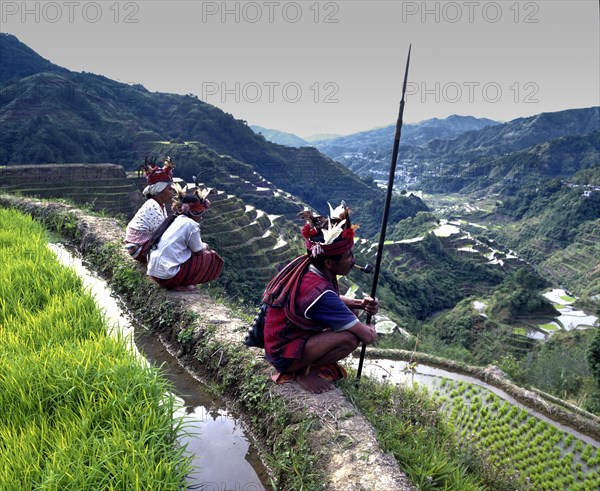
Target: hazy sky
(310,67)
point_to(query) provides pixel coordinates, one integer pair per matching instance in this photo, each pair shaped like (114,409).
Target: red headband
(159,176)
(195,207)
(155,174)
(343,243)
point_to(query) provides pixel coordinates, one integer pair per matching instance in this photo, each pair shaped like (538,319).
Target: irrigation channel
(223,455)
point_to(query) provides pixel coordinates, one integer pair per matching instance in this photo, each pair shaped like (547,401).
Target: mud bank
(206,337)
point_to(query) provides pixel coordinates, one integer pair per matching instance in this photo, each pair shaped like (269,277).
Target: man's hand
(364,332)
(370,305)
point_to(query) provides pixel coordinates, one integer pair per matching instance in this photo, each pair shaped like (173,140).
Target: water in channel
(223,456)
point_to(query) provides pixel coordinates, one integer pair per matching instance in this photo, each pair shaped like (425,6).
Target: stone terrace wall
(101,186)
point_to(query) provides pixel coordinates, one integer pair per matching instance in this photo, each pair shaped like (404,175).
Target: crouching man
(309,327)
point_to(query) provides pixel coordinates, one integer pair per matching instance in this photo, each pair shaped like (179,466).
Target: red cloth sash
(200,268)
(286,328)
(278,289)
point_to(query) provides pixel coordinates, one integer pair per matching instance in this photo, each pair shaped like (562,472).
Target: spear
(386,208)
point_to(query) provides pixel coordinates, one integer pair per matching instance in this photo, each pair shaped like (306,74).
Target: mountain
(513,136)
(559,158)
(432,159)
(18,60)
(555,225)
(367,152)
(433,166)
(49,114)
(280,137)
(320,137)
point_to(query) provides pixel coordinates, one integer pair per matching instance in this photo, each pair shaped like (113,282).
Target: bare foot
(311,382)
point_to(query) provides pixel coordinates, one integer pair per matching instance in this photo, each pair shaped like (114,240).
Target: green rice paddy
(549,327)
(567,298)
(547,458)
(79,410)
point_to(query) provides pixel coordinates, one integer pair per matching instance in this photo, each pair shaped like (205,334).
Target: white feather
(204,192)
(332,233)
(337,212)
(178,189)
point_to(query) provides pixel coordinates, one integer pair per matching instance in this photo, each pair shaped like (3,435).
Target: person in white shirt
(179,260)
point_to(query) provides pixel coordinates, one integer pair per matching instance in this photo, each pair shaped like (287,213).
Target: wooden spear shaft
(386,208)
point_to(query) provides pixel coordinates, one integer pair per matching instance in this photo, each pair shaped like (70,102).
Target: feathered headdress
(156,174)
(191,198)
(328,235)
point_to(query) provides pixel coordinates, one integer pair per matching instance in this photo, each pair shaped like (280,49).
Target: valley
(477,218)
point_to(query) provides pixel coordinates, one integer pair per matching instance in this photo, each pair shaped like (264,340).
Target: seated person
(153,212)
(178,259)
(308,325)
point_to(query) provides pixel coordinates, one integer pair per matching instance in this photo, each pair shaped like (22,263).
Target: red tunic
(284,340)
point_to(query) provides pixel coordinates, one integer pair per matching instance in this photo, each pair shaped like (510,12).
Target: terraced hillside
(251,241)
(556,227)
(285,189)
(102,186)
(405,256)
(578,265)
(435,270)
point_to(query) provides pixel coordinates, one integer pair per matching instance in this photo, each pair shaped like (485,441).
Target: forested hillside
(558,158)
(478,154)
(557,228)
(49,114)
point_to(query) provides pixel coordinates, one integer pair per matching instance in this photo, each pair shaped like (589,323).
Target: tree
(593,357)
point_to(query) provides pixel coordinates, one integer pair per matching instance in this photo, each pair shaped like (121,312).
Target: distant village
(588,189)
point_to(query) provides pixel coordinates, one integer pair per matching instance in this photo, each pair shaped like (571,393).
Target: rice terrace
(80,412)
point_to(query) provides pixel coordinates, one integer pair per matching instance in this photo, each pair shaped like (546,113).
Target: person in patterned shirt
(153,212)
